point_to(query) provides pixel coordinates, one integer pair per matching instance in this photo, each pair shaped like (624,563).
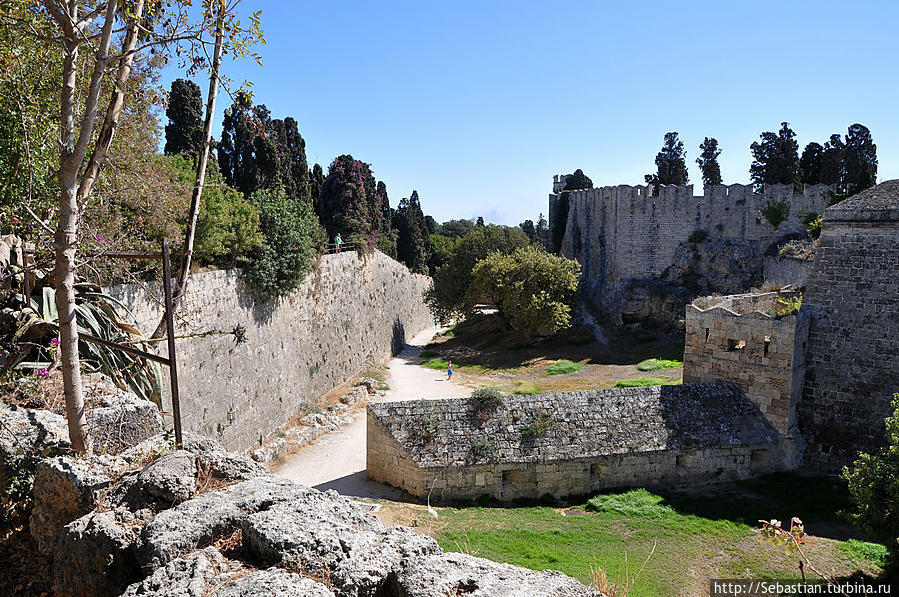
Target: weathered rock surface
(95,557)
(273,582)
(451,574)
(64,489)
(184,577)
(26,432)
(220,463)
(125,422)
(171,478)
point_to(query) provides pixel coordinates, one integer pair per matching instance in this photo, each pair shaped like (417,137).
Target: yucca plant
(99,315)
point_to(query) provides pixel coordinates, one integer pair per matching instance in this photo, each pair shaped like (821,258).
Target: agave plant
(99,315)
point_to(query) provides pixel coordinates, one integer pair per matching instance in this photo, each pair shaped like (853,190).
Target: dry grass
(207,481)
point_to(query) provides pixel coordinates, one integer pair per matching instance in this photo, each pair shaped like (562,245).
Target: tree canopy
(578,180)
(708,161)
(775,160)
(412,234)
(671,164)
(184,132)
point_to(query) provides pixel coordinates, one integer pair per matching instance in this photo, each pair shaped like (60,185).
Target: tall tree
(528,228)
(248,153)
(290,154)
(671,164)
(708,162)
(480,222)
(578,180)
(861,159)
(73,25)
(184,132)
(349,202)
(412,240)
(776,159)
(316,181)
(810,163)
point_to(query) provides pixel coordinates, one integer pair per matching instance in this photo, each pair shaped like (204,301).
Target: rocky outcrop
(149,522)
(25,433)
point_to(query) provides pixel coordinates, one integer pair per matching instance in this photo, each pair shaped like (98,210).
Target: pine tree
(708,162)
(528,228)
(671,164)
(578,180)
(810,163)
(184,132)
(776,159)
(860,160)
(412,240)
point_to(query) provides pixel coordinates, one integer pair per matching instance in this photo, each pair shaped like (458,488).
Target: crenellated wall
(349,310)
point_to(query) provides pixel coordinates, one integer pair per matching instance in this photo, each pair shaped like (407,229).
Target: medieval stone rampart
(571,443)
(347,311)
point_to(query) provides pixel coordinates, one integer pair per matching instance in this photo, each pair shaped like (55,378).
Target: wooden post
(170,335)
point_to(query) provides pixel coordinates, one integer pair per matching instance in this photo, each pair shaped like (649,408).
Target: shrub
(291,239)
(486,398)
(638,382)
(636,503)
(707,302)
(874,489)
(776,212)
(797,250)
(788,306)
(698,236)
(533,290)
(562,367)
(656,364)
(527,388)
(540,427)
(813,221)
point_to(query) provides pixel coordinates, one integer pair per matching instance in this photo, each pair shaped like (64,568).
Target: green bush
(860,552)
(813,221)
(291,240)
(540,427)
(639,382)
(535,291)
(636,503)
(435,364)
(776,212)
(657,364)
(228,228)
(874,490)
(562,367)
(486,398)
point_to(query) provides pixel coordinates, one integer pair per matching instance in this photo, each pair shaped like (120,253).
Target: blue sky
(477,104)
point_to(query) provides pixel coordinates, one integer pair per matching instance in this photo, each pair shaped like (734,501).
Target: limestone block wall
(622,232)
(667,435)
(735,340)
(852,299)
(347,311)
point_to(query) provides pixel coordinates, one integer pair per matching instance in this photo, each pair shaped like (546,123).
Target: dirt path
(337,460)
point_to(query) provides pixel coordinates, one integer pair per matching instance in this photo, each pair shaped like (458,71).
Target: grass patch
(638,503)
(863,552)
(562,367)
(657,364)
(638,382)
(435,364)
(428,354)
(526,388)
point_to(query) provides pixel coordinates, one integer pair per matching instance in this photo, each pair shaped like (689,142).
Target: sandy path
(337,460)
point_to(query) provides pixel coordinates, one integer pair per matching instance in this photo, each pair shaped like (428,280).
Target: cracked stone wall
(349,310)
(570,443)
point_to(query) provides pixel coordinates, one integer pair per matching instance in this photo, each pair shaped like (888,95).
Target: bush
(813,221)
(486,398)
(527,388)
(776,212)
(228,229)
(562,367)
(874,489)
(291,239)
(797,250)
(657,364)
(788,306)
(539,427)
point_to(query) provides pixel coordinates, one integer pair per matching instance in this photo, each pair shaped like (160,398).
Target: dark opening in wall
(758,460)
(825,448)
(767,344)
(707,335)
(684,461)
(598,471)
(735,345)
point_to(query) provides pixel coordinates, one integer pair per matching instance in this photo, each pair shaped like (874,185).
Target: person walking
(449,371)
(338,242)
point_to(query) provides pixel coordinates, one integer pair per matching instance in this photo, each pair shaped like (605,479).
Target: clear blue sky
(477,104)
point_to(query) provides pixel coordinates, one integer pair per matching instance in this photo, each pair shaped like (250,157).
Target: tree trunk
(190,234)
(65,242)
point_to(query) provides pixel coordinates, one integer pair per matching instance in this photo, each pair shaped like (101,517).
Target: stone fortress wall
(348,311)
(570,443)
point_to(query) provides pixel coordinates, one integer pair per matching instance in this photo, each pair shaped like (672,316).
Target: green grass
(435,364)
(638,503)
(861,552)
(562,367)
(427,354)
(657,364)
(638,382)
(526,388)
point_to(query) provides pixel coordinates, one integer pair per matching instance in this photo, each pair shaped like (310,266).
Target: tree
(440,248)
(73,25)
(184,132)
(431,224)
(534,291)
(560,221)
(671,164)
(449,292)
(349,203)
(247,153)
(290,153)
(833,163)
(528,228)
(810,163)
(480,222)
(860,160)
(412,239)
(708,162)
(542,230)
(578,180)
(776,159)
(874,489)
(316,181)
(456,228)
(291,239)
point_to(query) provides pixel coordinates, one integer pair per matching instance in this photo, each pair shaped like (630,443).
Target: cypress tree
(184,132)
(708,161)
